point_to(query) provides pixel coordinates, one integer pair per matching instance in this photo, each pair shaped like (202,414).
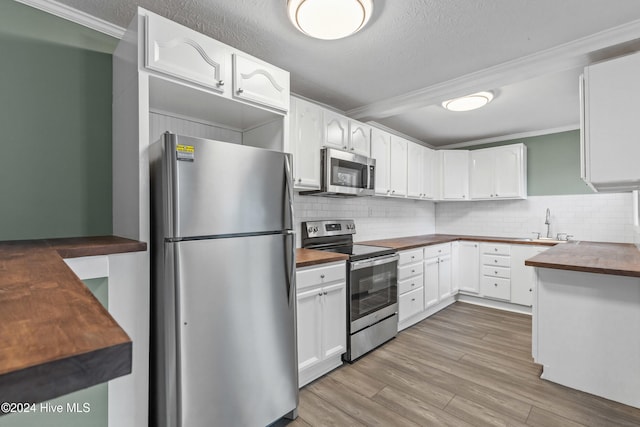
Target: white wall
(375,217)
(594,217)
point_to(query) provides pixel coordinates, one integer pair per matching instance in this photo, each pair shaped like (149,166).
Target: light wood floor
(465,366)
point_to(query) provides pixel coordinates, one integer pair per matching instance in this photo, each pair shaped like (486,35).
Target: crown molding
(398,134)
(520,135)
(571,55)
(74,15)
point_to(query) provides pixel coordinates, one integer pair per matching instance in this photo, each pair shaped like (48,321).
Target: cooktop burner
(359,252)
(337,236)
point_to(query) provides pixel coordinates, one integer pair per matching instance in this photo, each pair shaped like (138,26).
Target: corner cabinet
(398,167)
(498,173)
(610,125)
(306,140)
(322,319)
(466,267)
(454,174)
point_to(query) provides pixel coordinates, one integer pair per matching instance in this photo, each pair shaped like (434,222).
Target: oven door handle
(358,265)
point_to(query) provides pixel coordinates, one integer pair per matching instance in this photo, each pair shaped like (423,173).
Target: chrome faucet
(547,221)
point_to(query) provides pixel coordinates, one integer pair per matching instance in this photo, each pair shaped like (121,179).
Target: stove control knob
(315,229)
(310,230)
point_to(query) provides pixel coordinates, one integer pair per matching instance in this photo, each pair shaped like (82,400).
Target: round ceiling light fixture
(329,19)
(468,102)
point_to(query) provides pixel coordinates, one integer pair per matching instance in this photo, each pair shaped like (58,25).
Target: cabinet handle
(496,272)
(475,246)
(413,271)
(413,299)
(413,284)
(497,194)
(322,276)
(352,148)
(325,292)
(240,90)
(495,284)
(220,83)
(388,191)
(320,294)
(495,249)
(413,256)
(299,179)
(344,147)
(393,191)
(530,290)
(495,260)
(463,196)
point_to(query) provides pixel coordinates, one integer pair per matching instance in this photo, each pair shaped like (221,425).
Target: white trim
(74,15)
(527,134)
(571,55)
(384,128)
(318,103)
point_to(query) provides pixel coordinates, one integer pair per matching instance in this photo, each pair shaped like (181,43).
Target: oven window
(373,288)
(348,174)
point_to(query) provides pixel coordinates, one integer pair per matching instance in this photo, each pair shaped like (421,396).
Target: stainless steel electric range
(372,284)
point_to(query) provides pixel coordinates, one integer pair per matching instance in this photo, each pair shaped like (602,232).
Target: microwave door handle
(358,265)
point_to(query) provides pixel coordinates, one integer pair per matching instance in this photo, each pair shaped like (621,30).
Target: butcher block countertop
(55,336)
(307,257)
(620,259)
(404,243)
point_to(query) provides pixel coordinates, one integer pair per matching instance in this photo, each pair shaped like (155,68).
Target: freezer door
(216,188)
(236,330)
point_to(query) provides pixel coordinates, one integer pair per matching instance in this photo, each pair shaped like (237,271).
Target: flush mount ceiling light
(329,19)
(468,102)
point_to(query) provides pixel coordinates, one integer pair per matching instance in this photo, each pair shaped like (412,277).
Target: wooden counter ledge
(55,336)
(620,259)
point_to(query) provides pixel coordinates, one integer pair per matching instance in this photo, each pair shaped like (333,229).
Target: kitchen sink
(542,240)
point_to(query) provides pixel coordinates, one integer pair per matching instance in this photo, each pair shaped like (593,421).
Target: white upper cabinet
(610,125)
(181,52)
(336,130)
(259,82)
(306,140)
(359,138)
(428,176)
(398,166)
(381,151)
(499,172)
(455,174)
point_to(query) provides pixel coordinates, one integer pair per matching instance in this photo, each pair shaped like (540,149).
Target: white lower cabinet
(321,316)
(496,273)
(437,273)
(410,304)
(410,285)
(523,278)
(466,267)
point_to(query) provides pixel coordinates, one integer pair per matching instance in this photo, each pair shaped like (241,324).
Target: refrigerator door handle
(288,222)
(290,259)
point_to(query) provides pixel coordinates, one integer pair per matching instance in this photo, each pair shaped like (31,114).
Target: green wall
(553,163)
(55,119)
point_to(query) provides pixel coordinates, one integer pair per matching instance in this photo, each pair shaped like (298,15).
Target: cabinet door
(510,173)
(444,277)
(468,267)
(380,150)
(259,82)
(431,278)
(306,135)
(523,277)
(415,162)
(398,170)
(482,165)
(309,328)
(181,52)
(455,174)
(428,158)
(334,320)
(359,138)
(336,130)
(611,123)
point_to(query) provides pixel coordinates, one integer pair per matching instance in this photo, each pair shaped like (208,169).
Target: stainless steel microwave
(345,174)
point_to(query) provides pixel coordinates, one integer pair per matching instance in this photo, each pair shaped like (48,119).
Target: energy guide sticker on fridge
(185,152)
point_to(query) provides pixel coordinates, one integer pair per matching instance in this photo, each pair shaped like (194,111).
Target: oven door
(347,173)
(373,291)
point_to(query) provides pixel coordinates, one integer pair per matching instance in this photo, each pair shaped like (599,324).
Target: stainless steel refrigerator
(223,285)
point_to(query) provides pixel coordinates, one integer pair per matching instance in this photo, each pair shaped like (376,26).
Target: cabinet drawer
(312,276)
(410,284)
(410,303)
(495,249)
(437,250)
(489,270)
(495,287)
(496,260)
(410,270)
(409,257)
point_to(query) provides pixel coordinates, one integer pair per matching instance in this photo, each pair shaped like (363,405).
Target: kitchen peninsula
(586,318)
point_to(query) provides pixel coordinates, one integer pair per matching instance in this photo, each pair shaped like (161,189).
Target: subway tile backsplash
(594,217)
(375,217)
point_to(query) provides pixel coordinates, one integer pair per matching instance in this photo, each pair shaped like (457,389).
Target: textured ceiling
(407,45)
